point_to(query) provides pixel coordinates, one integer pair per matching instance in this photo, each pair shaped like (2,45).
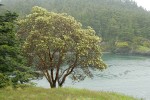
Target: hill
(124,27)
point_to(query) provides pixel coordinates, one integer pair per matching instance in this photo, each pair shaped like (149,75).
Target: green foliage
(54,40)
(4,81)
(8,47)
(143,49)
(113,20)
(146,43)
(22,77)
(122,47)
(122,44)
(11,59)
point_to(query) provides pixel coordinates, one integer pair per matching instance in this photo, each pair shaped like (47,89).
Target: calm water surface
(129,75)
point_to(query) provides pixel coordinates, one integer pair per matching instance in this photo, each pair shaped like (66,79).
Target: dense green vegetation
(59,94)
(48,41)
(123,25)
(12,69)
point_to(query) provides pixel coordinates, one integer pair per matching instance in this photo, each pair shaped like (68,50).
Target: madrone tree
(59,47)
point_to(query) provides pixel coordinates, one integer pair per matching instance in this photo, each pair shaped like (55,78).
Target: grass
(34,93)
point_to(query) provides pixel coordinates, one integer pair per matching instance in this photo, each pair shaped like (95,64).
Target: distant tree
(113,20)
(60,46)
(12,67)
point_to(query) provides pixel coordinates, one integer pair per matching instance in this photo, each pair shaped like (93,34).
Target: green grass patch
(34,93)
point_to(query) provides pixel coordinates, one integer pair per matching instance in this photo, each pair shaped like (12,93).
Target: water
(129,75)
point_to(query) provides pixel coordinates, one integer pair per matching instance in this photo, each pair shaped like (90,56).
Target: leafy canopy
(60,46)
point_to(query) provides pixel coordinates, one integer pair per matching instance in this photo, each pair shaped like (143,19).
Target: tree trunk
(60,85)
(53,85)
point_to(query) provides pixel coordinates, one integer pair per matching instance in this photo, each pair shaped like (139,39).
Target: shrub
(4,81)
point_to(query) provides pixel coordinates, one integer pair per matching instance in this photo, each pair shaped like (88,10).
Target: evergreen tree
(12,67)
(116,21)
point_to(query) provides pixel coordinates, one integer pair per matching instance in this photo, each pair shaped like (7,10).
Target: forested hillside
(124,27)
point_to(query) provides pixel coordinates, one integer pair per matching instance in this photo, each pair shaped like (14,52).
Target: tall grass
(34,93)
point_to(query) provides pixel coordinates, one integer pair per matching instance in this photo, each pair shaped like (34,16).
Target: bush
(122,47)
(143,49)
(146,44)
(4,81)
(121,44)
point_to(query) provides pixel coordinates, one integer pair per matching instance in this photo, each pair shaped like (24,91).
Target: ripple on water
(126,74)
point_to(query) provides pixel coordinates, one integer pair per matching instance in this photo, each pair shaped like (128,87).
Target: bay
(125,74)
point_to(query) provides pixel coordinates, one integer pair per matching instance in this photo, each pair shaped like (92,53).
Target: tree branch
(51,63)
(58,64)
(50,57)
(69,71)
(46,70)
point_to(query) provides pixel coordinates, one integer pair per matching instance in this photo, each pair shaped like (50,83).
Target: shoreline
(129,54)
